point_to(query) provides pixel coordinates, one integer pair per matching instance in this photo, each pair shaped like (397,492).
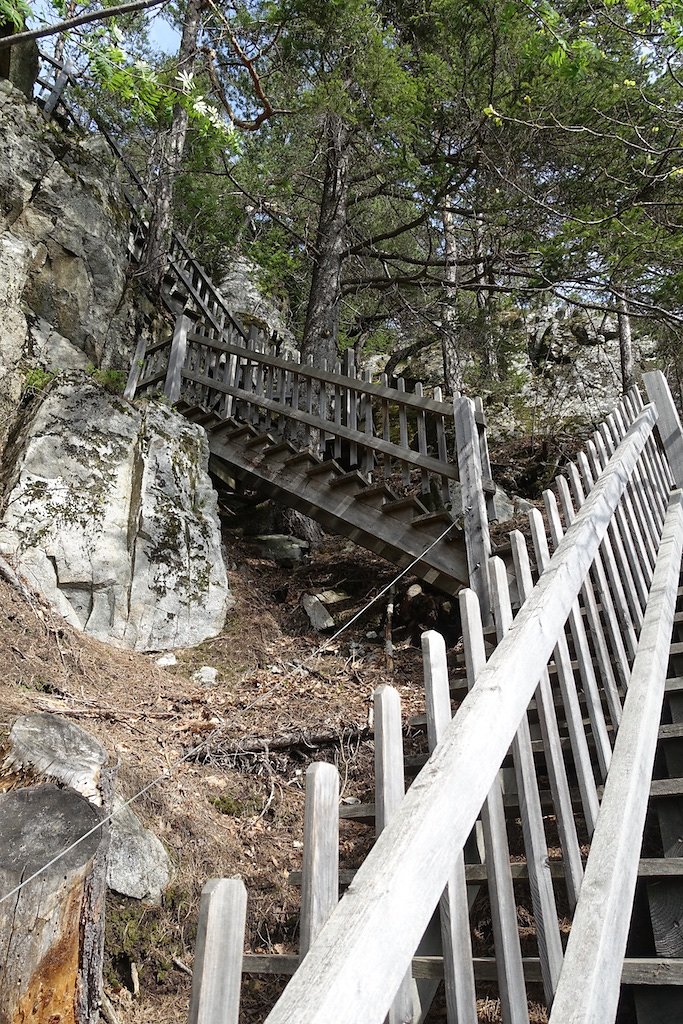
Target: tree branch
(81,19)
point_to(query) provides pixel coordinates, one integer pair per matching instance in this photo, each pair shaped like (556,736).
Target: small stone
(206,676)
(286,551)
(318,614)
(166,661)
(371,635)
(138,865)
(332,596)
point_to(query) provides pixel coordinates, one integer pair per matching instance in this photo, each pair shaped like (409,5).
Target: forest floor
(221,808)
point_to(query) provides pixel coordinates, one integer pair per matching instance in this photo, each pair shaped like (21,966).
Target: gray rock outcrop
(65,297)
(112,516)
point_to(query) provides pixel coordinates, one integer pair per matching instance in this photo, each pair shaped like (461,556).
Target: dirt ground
(225,804)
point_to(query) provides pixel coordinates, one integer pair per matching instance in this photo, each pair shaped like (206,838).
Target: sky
(162,36)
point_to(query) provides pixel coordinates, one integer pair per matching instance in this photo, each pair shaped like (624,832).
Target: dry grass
(220,811)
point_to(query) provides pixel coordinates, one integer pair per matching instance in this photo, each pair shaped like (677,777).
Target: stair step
(285,447)
(405,504)
(673,731)
(348,479)
(675,684)
(433,519)
(305,456)
(326,466)
(261,439)
(677,648)
(376,491)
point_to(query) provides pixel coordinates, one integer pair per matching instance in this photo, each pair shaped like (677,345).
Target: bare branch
(81,19)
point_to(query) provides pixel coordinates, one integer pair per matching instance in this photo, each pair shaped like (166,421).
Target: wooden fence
(585,658)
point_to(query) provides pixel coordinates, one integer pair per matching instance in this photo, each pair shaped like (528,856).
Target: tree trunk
(161,219)
(322,316)
(450,348)
(625,346)
(44,962)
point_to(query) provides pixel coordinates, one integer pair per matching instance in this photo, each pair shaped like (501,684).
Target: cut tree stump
(46,954)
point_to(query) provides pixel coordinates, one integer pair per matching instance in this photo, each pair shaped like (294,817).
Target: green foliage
(14,12)
(37,380)
(113,381)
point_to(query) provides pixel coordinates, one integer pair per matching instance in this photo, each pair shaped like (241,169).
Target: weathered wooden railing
(364,424)
(609,591)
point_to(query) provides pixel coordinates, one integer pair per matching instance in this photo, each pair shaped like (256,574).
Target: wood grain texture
(217,973)
(589,984)
(476,526)
(363,952)
(461,998)
(320,871)
(668,423)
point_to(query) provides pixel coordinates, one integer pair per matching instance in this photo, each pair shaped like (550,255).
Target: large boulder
(111,514)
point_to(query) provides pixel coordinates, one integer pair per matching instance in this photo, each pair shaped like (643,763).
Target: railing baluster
(594,622)
(568,691)
(386,425)
(403,429)
(320,869)
(552,743)
(584,657)
(511,985)
(577,474)
(461,997)
(484,455)
(389,792)
(217,971)
(535,843)
(642,508)
(351,406)
(441,447)
(422,439)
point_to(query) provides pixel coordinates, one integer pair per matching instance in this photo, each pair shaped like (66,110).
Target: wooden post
(552,744)
(176,360)
(668,422)
(44,961)
(461,997)
(590,982)
(389,792)
(57,90)
(477,538)
(531,814)
(508,951)
(320,872)
(136,368)
(217,972)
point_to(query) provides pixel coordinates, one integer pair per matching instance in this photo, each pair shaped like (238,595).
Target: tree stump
(45,952)
(53,930)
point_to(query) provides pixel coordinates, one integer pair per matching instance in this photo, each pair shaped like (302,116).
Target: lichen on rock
(112,516)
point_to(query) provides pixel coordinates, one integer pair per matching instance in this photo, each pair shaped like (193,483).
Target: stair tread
(376,490)
(405,503)
(278,449)
(442,516)
(260,438)
(348,479)
(326,466)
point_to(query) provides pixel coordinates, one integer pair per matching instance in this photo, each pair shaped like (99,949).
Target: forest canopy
(405,174)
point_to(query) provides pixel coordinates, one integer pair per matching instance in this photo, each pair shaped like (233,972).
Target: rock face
(65,297)
(112,516)
(243,294)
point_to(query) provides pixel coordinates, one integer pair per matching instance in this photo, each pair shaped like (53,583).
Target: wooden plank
(618,564)
(217,970)
(389,793)
(668,423)
(531,814)
(136,368)
(658,487)
(607,575)
(510,973)
(655,971)
(404,455)
(636,492)
(484,457)
(176,359)
(583,655)
(590,980)
(552,744)
(363,952)
(476,524)
(594,621)
(570,699)
(320,871)
(393,395)
(461,998)
(631,529)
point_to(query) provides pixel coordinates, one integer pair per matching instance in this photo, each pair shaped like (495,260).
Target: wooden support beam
(217,973)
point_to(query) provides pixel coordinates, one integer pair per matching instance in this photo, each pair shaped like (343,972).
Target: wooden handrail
(363,952)
(423,404)
(376,444)
(589,984)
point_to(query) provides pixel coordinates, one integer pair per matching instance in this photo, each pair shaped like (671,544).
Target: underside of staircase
(401,530)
